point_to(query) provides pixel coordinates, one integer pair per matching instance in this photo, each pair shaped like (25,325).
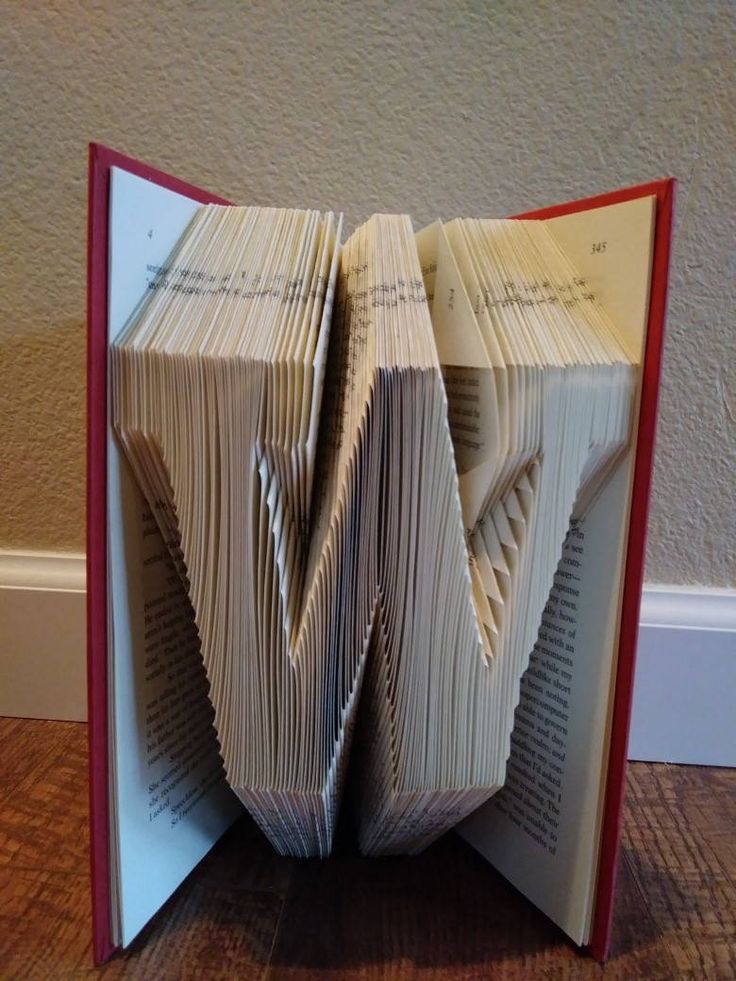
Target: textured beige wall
(450,109)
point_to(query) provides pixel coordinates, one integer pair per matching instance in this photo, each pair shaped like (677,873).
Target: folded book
(377,505)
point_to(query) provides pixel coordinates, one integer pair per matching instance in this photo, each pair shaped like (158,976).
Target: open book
(377,504)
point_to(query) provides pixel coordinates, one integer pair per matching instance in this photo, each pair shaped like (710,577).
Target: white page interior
(542,830)
(169,798)
(418,585)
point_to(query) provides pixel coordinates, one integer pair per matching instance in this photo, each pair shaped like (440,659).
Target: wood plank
(44,924)
(690,896)
(243,859)
(248,913)
(25,743)
(707,798)
(636,946)
(44,818)
(440,915)
(203,932)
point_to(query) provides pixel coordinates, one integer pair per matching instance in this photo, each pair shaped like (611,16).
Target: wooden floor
(246,913)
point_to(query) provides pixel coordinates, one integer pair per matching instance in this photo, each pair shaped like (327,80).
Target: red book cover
(101,160)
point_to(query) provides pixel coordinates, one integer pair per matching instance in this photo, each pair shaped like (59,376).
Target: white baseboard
(685,677)
(683,697)
(42,636)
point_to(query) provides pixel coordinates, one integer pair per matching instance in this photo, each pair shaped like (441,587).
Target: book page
(542,830)
(169,799)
